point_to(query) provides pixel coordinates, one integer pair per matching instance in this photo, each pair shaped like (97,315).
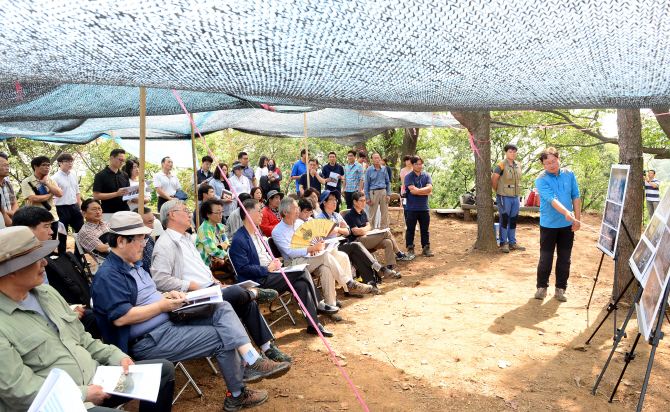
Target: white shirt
(169,184)
(263,255)
(70,187)
(195,269)
(147,193)
(260,172)
(241,184)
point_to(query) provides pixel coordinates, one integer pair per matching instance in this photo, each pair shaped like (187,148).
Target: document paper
(141,382)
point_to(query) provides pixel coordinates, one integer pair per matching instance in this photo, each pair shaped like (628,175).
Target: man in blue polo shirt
(560,212)
(299,169)
(419,186)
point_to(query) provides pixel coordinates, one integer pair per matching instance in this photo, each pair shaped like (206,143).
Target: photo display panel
(614,204)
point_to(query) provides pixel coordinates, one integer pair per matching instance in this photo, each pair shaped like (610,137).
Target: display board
(614,203)
(650,264)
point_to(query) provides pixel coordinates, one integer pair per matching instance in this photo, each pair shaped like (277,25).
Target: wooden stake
(111,133)
(306,151)
(143,137)
(230,142)
(195,178)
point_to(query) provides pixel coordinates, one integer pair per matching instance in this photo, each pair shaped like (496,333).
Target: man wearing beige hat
(39,332)
(133,315)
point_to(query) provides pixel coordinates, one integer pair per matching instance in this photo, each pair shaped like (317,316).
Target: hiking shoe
(516,246)
(504,247)
(352,295)
(247,399)
(541,293)
(358,288)
(275,355)
(406,258)
(375,290)
(264,369)
(426,252)
(410,252)
(386,272)
(338,303)
(265,295)
(560,295)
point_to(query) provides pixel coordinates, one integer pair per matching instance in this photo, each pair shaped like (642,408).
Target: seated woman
(211,241)
(313,194)
(258,195)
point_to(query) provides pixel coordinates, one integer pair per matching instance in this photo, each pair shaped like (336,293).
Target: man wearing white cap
(39,332)
(133,315)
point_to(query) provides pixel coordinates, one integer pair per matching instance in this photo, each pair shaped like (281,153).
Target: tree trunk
(392,151)
(630,153)
(409,143)
(479,126)
(361,146)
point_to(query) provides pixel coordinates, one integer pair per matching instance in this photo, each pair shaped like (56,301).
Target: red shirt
(270,220)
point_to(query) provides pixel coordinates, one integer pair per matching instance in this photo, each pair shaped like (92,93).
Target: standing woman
(132,168)
(271,178)
(238,181)
(407,159)
(219,184)
(262,169)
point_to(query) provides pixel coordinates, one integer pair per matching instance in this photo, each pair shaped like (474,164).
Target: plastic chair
(400,211)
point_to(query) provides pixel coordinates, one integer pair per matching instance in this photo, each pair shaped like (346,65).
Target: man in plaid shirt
(94,227)
(353,178)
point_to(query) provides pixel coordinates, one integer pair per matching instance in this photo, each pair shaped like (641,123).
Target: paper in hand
(142,381)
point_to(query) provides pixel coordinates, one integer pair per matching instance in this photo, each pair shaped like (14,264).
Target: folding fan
(311,232)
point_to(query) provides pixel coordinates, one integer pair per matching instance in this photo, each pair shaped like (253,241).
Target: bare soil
(434,339)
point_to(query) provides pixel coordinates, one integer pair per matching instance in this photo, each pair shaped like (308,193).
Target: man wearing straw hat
(39,332)
(133,315)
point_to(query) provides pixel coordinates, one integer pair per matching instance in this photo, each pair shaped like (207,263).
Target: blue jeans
(220,334)
(509,214)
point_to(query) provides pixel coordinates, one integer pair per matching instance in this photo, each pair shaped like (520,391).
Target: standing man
(419,186)
(353,178)
(299,169)
(68,206)
(248,171)
(333,183)
(389,171)
(204,173)
(166,183)
(651,185)
(39,190)
(559,192)
(9,202)
(363,159)
(507,194)
(110,183)
(315,178)
(377,188)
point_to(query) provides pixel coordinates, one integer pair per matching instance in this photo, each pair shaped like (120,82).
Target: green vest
(509,184)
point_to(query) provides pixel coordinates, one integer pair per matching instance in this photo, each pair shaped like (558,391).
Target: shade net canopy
(401,55)
(346,127)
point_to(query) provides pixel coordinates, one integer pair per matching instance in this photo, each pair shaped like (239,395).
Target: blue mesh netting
(416,55)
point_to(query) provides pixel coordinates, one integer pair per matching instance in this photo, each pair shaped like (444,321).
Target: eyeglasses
(217,213)
(94,209)
(142,241)
(184,209)
(5,165)
(332,200)
(67,161)
(550,163)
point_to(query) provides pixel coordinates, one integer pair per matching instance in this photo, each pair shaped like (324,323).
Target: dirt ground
(433,341)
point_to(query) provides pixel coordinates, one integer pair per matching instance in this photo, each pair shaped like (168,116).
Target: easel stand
(655,337)
(616,297)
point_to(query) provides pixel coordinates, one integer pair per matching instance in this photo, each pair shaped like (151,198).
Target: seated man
(89,235)
(358,221)
(253,262)
(271,216)
(177,265)
(331,266)
(39,332)
(133,315)
(38,220)
(366,264)
(234,221)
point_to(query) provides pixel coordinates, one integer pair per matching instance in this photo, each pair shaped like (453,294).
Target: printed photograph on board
(612,214)
(606,240)
(650,299)
(663,208)
(654,231)
(641,258)
(662,259)
(617,186)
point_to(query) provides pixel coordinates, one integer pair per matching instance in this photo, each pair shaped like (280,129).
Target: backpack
(68,277)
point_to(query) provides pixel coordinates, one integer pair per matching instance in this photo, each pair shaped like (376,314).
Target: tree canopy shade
(415,55)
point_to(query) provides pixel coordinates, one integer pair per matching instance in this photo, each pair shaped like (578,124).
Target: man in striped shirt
(651,190)
(353,178)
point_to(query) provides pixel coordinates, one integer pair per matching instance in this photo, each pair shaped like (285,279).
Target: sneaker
(504,247)
(386,272)
(264,369)
(338,303)
(265,295)
(516,246)
(410,251)
(541,293)
(275,355)
(247,399)
(375,290)
(406,258)
(560,295)
(358,288)
(426,252)
(352,295)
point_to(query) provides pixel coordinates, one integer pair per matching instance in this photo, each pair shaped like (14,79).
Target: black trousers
(70,216)
(302,283)
(363,260)
(161,202)
(245,307)
(165,392)
(54,229)
(349,199)
(561,240)
(414,216)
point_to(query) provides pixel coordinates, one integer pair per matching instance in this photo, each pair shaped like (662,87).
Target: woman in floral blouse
(212,242)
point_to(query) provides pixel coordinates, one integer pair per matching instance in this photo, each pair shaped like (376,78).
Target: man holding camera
(651,190)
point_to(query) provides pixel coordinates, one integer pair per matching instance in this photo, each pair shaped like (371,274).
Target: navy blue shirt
(389,172)
(327,169)
(355,219)
(313,182)
(417,202)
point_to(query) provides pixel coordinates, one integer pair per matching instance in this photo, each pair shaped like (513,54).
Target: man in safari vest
(506,182)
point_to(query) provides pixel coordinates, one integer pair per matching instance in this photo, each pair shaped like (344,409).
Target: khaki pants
(381,240)
(378,197)
(331,266)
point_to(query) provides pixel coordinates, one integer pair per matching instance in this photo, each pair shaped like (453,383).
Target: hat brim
(137,231)
(280,194)
(20,262)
